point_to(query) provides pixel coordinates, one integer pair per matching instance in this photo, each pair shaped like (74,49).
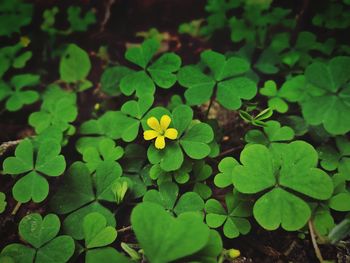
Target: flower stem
(17,207)
(314,242)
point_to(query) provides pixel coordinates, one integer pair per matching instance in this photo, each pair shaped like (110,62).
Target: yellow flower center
(160,131)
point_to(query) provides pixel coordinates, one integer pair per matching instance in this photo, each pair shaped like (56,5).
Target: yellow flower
(160,131)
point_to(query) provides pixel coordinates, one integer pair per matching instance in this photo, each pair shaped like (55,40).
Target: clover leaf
(106,254)
(41,234)
(14,13)
(167,196)
(58,110)
(33,185)
(78,22)
(273,133)
(279,172)
(193,139)
(275,102)
(77,197)
(234,219)
(96,232)
(201,172)
(188,233)
(11,56)
(106,151)
(330,106)
(340,201)
(323,220)
(136,169)
(122,124)
(3,202)
(75,66)
(226,83)
(332,159)
(14,93)
(224,178)
(160,72)
(181,175)
(111,77)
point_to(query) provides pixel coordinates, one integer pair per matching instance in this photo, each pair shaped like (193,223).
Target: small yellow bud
(97,106)
(25,41)
(233,253)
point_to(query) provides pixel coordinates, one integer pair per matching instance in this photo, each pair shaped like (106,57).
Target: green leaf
(211,251)
(3,202)
(79,22)
(142,55)
(105,254)
(199,86)
(269,89)
(340,202)
(224,178)
(233,220)
(19,253)
(182,118)
(166,196)
(138,109)
(162,70)
(276,133)
(96,231)
(111,77)
(223,68)
(231,92)
(289,211)
(291,166)
(329,77)
(323,220)
(23,160)
(75,64)
(195,141)
(59,250)
(294,89)
(37,231)
(138,81)
(32,186)
(170,158)
(106,176)
(330,106)
(24,80)
(48,160)
(75,190)
(189,202)
(72,224)
(245,177)
(180,237)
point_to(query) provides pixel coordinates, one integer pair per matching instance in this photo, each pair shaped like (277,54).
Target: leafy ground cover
(174,131)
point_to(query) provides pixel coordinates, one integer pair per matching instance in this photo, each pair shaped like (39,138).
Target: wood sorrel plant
(163,151)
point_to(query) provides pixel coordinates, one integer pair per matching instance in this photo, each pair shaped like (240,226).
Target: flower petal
(160,142)
(150,134)
(153,123)
(165,122)
(171,133)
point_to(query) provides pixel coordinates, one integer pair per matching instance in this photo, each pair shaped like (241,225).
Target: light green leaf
(289,211)
(31,187)
(58,250)
(142,55)
(180,237)
(37,231)
(96,231)
(23,160)
(75,64)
